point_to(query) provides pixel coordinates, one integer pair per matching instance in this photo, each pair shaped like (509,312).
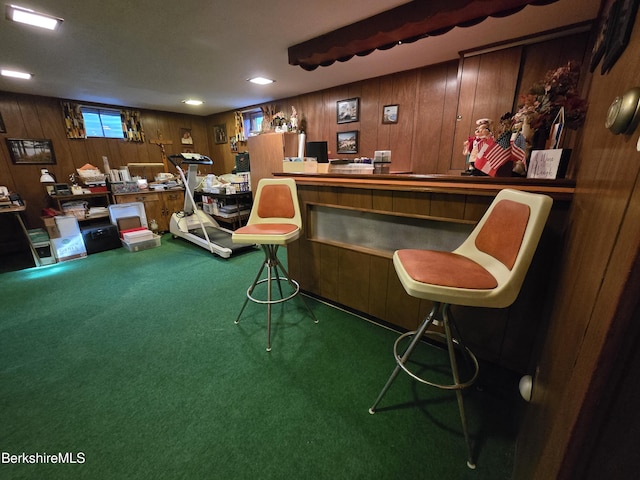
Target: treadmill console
(191,158)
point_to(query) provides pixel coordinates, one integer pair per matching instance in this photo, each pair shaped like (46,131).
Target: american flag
(494,154)
(518,146)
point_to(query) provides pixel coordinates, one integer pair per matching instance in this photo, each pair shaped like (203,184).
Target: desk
(17,210)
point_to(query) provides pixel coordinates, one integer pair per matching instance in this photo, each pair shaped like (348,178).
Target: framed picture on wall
(3,129)
(348,110)
(618,31)
(390,114)
(347,142)
(31,151)
(185,136)
(220,133)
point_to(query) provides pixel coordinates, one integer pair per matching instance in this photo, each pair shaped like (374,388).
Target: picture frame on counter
(550,163)
(348,111)
(347,142)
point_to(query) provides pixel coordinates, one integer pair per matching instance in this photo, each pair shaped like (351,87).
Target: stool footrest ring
(454,386)
(279,300)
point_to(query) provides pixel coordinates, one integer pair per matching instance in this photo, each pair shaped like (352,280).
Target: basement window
(252,122)
(102,122)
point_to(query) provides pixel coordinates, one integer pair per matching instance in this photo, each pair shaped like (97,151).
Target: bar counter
(353,224)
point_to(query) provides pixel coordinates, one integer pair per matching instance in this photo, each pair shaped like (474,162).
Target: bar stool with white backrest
(274,220)
(487,270)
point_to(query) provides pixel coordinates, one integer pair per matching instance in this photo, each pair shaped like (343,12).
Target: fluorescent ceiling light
(261,80)
(31,17)
(14,74)
(191,101)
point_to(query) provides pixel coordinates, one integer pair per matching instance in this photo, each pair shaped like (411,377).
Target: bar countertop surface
(559,189)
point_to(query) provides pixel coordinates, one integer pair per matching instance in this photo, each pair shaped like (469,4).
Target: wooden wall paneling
(402,309)
(328,195)
(428,119)
(360,198)
(412,202)
(329,281)
(353,279)
(468,73)
(402,133)
(29,113)
(310,274)
(370,118)
(487,89)
(476,206)
(309,109)
(385,97)
(293,258)
(447,205)
(331,98)
(448,149)
(382,200)
(541,57)
(14,126)
(482,330)
(590,319)
(380,268)
(51,120)
(497,82)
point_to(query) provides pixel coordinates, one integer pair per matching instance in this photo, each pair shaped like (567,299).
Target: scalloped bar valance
(404,24)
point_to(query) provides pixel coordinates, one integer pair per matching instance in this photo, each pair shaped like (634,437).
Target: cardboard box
(69,248)
(51,227)
(300,165)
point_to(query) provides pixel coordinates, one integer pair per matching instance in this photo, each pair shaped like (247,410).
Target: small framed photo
(348,110)
(390,114)
(548,163)
(347,142)
(185,136)
(220,133)
(31,151)
(618,31)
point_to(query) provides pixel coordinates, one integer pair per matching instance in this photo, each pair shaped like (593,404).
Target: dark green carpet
(134,360)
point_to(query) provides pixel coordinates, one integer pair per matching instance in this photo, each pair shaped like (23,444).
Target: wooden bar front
(337,259)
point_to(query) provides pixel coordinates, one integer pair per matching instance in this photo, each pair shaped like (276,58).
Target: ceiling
(152,54)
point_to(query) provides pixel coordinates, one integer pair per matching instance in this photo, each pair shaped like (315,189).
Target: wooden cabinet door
(172,202)
(152,205)
(488,85)
(267,152)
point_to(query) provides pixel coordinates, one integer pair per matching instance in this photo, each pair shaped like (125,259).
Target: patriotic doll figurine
(473,144)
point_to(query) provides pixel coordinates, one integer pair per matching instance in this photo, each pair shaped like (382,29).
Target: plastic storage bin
(143,245)
(352,168)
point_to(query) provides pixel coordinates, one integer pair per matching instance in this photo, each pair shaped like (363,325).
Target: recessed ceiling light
(191,101)
(14,74)
(31,17)
(261,80)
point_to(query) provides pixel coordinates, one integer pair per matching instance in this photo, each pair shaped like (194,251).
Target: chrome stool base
(275,272)
(457,385)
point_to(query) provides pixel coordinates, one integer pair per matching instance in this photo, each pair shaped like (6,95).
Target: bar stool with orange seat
(487,270)
(274,221)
